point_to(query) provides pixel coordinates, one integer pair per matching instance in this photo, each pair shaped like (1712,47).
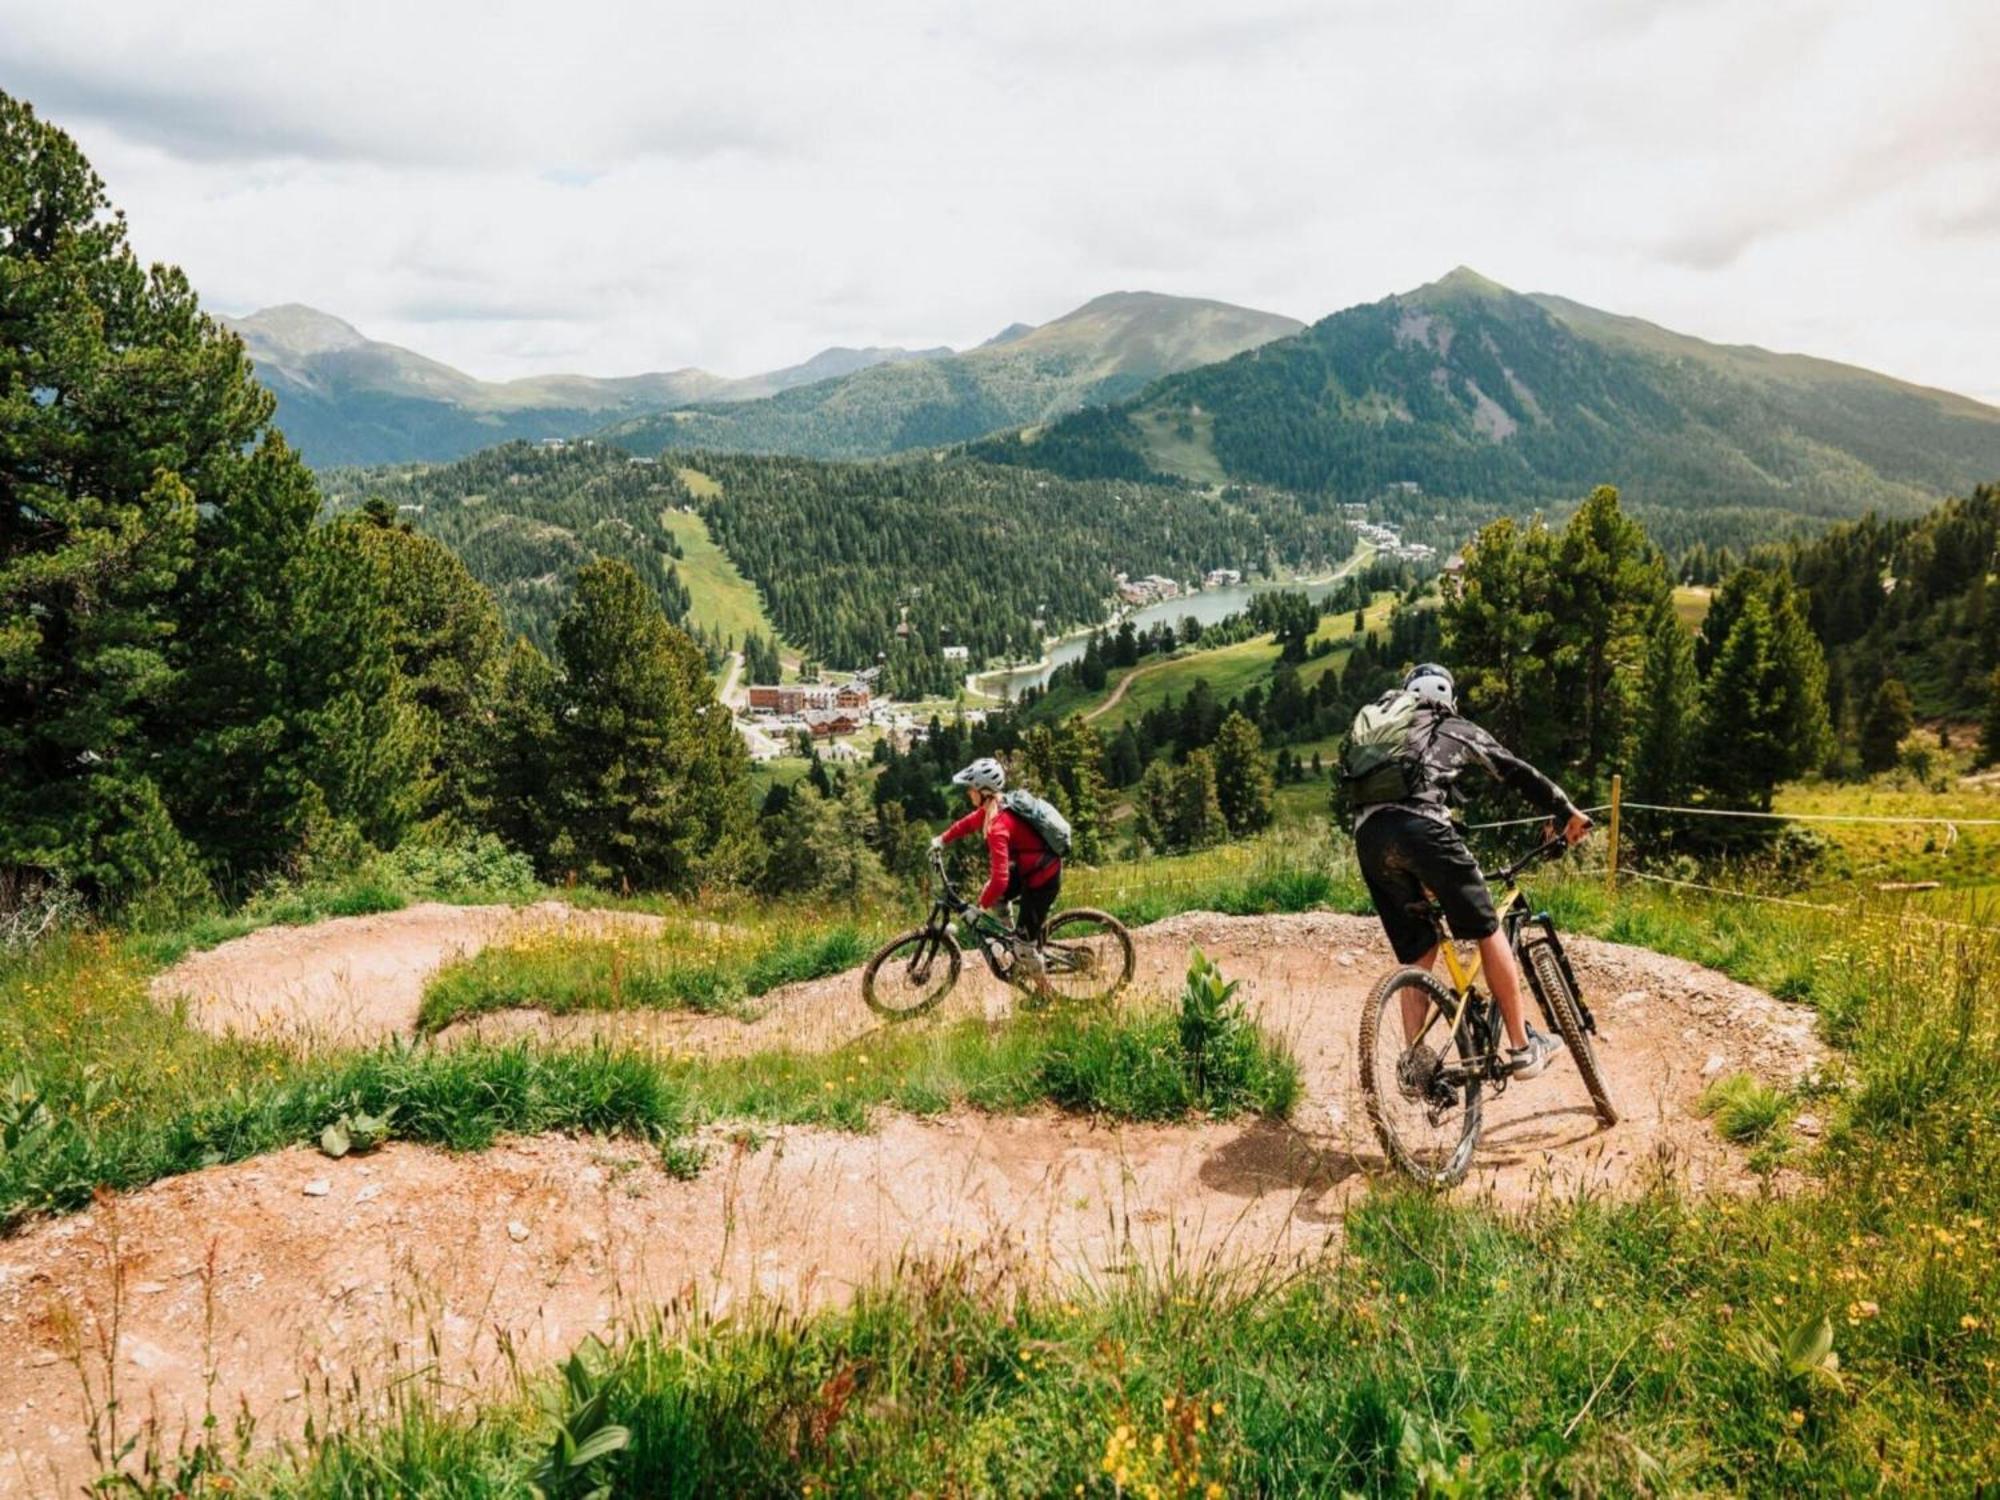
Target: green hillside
(526,518)
(835,556)
(721,601)
(1107,349)
(1463,394)
(344,398)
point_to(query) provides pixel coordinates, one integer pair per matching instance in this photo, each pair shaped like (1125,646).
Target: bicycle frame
(946,903)
(1516,918)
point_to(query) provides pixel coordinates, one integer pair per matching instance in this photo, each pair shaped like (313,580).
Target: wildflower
(1798,1417)
(1969,1323)
(1215,1408)
(1215,1491)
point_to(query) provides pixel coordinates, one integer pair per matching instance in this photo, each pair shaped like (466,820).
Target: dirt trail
(355,980)
(329,1272)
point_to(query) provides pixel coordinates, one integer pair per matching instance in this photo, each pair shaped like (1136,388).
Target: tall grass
(685,968)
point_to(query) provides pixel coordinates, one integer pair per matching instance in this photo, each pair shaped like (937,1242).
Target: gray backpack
(1040,816)
(1380,762)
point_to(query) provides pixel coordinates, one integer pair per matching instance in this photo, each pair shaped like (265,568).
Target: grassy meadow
(720,598)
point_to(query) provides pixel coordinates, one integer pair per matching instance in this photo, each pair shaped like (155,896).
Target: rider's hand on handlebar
(937,844)
(1574,831)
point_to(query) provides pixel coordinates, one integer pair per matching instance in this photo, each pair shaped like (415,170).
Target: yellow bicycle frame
(1463,975)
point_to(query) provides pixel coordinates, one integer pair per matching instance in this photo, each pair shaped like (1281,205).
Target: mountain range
(344,398)
(1110,347)
(1464,390)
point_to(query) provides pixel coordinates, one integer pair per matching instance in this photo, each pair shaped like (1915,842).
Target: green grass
(1231,671)
(1745,1110)
(685,968)
(719,597)
(1192,455)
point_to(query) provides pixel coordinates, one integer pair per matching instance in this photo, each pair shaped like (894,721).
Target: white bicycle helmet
(1433,684)
(986,773)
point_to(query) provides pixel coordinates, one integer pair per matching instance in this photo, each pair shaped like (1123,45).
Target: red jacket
(1008,839)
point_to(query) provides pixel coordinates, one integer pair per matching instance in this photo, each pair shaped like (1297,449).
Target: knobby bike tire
(1379,999)
(1560,1001)
(1080,916)
(908,949)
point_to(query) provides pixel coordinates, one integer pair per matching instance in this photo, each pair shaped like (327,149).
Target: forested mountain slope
(844,554)
(525,520)
(344,398)
(1916,601)
(1463,391)
(1106,349)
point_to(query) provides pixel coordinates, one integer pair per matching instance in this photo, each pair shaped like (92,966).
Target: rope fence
(1618,805)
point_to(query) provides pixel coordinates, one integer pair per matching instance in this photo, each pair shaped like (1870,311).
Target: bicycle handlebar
(1553,848)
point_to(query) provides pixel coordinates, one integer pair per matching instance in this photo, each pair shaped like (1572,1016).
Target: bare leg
(1415,1006)
(1497,959)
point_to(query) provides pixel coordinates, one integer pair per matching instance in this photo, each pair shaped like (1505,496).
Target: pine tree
(1663,765)
(1080,754)
(1125,763)
(524,753)
(1196,819)
(1242,780)
(188,670)
(1153,807)
(1764,698)
(1885,725)
(444,629)
(651,780)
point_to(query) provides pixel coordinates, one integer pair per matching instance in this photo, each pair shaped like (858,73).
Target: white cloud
(616,187)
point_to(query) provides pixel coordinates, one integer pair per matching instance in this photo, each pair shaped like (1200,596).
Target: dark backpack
(1382,760)
(1040,816)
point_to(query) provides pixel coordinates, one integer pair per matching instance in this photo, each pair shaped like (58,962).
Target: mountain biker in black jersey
(1410,845)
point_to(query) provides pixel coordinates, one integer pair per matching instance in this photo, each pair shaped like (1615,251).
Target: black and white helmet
(986,773)
(1433,684)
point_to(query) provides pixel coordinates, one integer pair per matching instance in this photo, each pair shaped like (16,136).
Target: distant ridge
(344,398)
(1109,347)
(1466,393)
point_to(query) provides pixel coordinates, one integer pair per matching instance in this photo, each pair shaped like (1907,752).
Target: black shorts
(1035,901)
(1404,853)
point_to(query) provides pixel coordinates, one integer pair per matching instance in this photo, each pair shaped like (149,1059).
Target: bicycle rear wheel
(1088,955)
(911,974)
(1424,1100)
(1545,972)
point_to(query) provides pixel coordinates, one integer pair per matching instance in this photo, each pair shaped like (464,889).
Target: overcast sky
(615,188)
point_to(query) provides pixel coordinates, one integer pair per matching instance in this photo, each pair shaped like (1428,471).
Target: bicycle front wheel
(1545,972)
(911,974)
(1088,955)
(1422,1091)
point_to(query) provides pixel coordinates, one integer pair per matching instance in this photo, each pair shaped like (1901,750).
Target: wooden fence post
(1617,799)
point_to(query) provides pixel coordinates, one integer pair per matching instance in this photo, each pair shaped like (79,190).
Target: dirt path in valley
(1125,682)
(329,1272)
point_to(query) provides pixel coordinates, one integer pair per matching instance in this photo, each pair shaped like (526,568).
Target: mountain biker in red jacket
(1020,865)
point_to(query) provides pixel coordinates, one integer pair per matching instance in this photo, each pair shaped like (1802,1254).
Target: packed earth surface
(295,1285)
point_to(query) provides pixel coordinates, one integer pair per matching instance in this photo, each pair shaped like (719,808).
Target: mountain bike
(1423,1082)
(1084,955)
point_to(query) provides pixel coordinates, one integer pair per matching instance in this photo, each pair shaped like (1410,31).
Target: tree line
(206,682)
